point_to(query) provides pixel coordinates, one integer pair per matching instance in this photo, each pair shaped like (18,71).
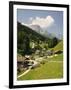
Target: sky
(52,21)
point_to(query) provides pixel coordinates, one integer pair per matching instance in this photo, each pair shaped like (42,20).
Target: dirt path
(25,72)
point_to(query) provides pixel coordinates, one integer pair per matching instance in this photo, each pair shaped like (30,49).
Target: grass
(59,46)
(49,70)
(57,58)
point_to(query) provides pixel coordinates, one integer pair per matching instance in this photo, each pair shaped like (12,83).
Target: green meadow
(52,69)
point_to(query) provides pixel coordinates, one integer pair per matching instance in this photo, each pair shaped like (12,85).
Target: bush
(42,62)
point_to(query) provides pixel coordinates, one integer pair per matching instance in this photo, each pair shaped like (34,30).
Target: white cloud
(30,18)
(43,22)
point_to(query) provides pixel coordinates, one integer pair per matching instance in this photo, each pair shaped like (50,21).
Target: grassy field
(52,69)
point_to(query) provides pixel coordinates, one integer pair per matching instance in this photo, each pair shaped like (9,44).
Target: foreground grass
(49,70)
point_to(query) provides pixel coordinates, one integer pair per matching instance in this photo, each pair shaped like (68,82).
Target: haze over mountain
(45,32)
(36,28)
(41,31)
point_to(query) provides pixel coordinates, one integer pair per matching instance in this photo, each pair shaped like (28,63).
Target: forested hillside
(28,39)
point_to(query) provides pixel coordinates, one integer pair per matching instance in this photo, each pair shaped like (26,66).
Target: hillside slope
(59,46)
(25,36)
(28,31)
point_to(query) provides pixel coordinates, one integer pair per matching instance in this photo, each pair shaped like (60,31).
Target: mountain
(25,36)
(41,31)
(29,31)
(47,32)
(36,28)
